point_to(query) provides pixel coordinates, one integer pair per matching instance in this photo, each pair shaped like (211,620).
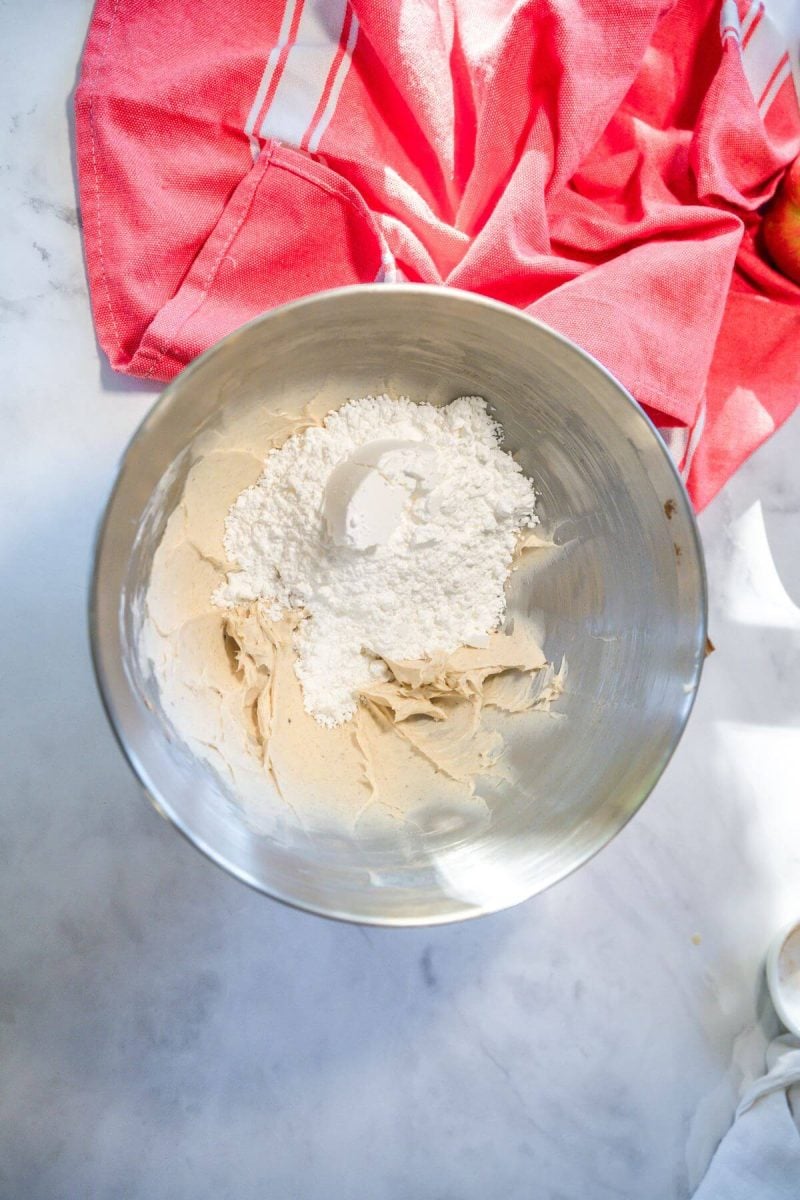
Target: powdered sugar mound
(435,585)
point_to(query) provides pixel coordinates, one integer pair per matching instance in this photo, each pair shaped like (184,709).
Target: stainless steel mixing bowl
(623,597)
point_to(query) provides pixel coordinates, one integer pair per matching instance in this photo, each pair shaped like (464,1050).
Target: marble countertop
(167,1033)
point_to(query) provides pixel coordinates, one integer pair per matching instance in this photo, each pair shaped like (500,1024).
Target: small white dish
(783,976)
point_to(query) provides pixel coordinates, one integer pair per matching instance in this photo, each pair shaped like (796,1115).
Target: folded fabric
(598,163)
(759,1157)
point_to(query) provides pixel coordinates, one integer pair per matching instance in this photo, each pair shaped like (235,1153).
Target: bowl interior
(621,595)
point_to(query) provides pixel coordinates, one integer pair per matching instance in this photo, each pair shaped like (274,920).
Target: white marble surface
(166,1033)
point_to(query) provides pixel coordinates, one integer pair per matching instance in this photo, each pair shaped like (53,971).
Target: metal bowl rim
(96,636)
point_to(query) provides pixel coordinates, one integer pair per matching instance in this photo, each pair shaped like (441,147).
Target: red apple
(781,225)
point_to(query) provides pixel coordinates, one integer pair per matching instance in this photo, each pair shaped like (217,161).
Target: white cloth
(759,1157)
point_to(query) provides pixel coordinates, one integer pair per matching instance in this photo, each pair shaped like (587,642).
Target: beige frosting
(227,682)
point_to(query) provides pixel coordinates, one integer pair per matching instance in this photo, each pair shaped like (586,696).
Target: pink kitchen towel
(600,164)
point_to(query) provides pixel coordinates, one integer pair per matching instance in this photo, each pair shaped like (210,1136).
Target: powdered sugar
(436,583)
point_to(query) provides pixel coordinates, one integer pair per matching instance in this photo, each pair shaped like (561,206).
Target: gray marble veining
(165,1033)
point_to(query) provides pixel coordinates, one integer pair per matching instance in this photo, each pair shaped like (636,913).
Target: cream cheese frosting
(228,686)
